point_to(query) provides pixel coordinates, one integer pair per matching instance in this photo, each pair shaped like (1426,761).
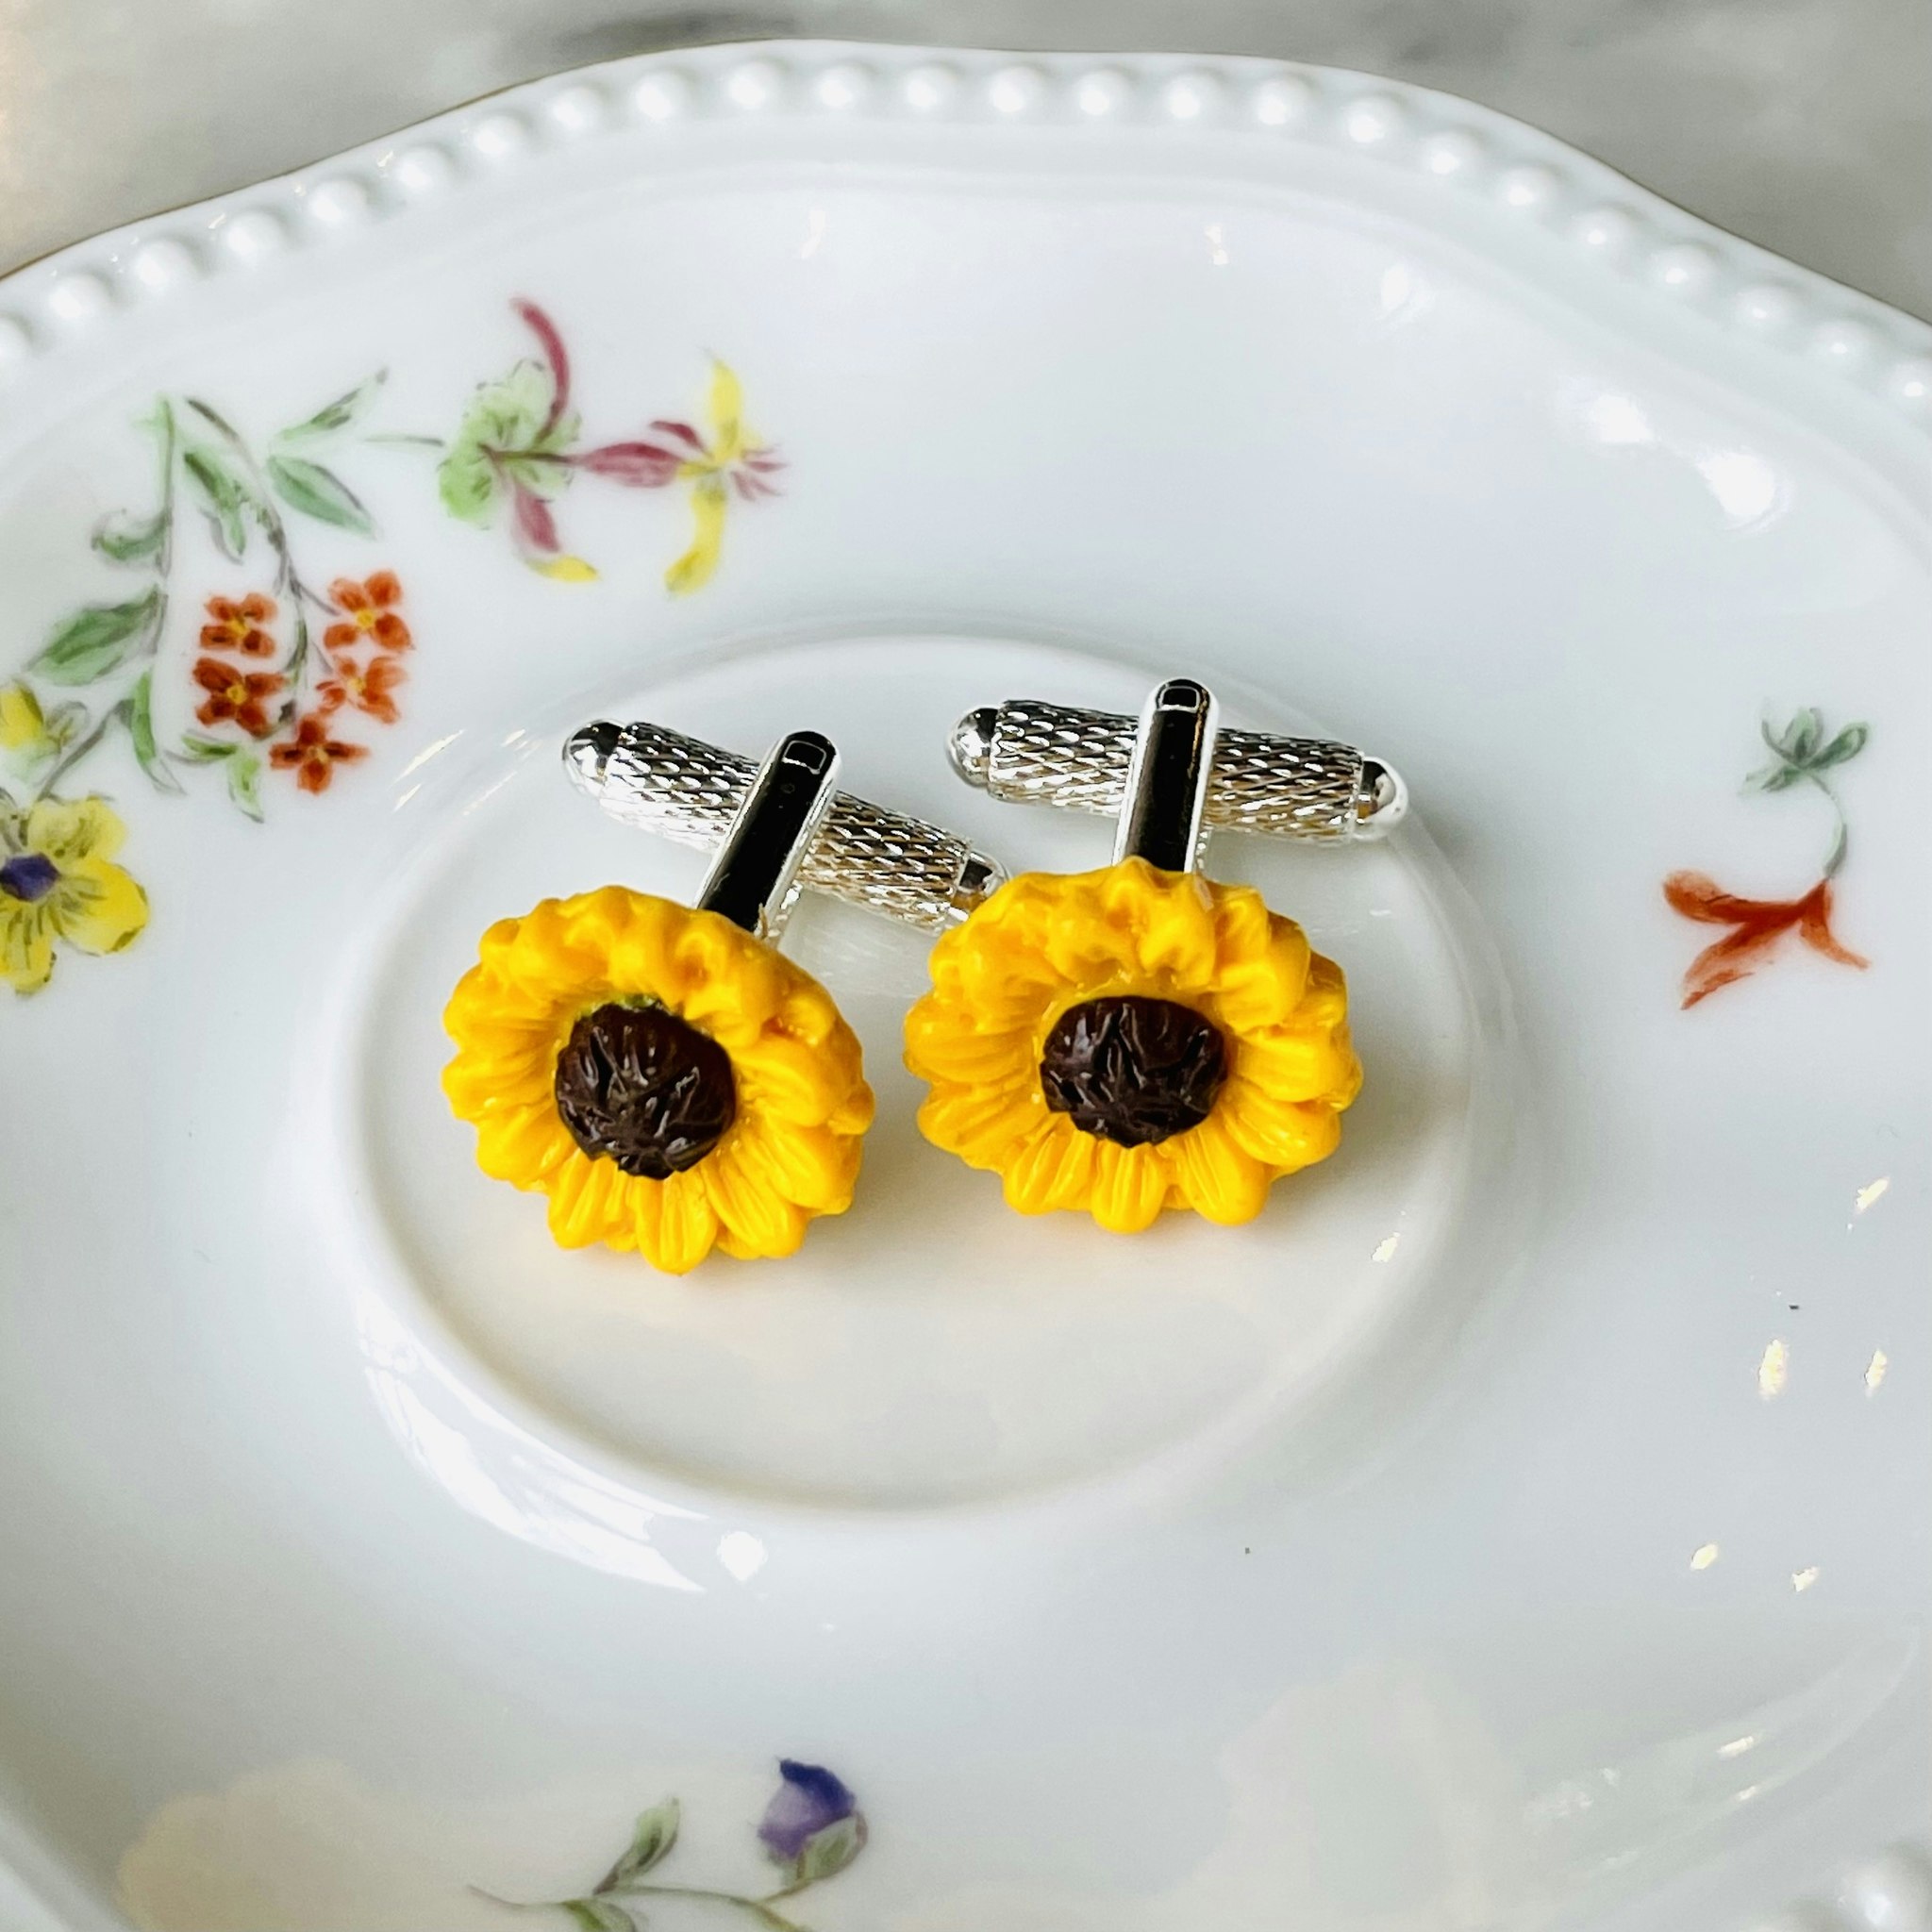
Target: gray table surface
(1801,124)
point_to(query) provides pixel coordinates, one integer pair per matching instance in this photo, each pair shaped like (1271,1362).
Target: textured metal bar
(1295,788)
(689,792)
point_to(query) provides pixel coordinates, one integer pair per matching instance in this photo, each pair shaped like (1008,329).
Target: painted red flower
(1757,926)
(312,755)
(235,696)
(366,687)
(237,626)
(370,610)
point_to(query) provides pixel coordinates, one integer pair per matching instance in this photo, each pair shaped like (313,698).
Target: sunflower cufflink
(669,1079)
(1140,1038)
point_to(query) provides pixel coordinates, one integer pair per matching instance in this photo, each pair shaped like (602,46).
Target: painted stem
(760,1908)
(71,756)
(1842,836)
(289,582)
(164,563)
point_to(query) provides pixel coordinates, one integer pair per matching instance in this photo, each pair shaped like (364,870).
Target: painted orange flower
(1757,926)
(1803,754)
(367,686)
(236,696)
(312,755)
(237,626)
(370,611)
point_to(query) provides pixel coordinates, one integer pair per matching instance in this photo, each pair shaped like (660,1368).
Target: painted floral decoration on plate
(286,673)
(1802,753)
(811,1830)
(276,669)
(520,446)
(1130,1039)
(670,1082)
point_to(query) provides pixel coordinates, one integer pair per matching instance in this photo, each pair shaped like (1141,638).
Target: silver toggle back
(1167,777)
(753,879)
(692,793)
(1032,752)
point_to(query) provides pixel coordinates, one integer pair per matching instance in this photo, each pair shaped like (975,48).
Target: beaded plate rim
(1579,205)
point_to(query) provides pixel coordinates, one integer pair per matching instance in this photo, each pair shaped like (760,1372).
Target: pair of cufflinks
(1119,1041)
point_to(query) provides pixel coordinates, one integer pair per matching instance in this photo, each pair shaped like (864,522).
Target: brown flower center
(1133,1070)
(644,1088)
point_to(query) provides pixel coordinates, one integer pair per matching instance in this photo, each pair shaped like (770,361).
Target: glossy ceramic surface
(1520,1524)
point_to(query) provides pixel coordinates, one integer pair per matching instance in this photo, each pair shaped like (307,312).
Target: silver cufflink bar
(779,828)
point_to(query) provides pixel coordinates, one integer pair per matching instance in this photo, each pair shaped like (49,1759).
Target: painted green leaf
(206,751)
(600,1915)
(136,710)
(337,415)
(95,640)
(209,414)
(244,782)
(129,539)
(318,493)
(650,1843)
(1803,735)
(1847,744)
(503,418)
(828,1852)
(223,498)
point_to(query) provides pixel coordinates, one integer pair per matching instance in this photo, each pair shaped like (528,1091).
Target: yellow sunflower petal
(733,984)
(983,1128)
(856,1112)
(1264,989)
(1296,1062)
(755,1218)
(1243,926)
(525,1143)
(1217,1179)
(687,1227)
(1285,1136)
(1171,916)
(815,1167)
(1053,1170)
(1129,1186)
(499,1067)
(1325,1000)
(575,1190)
(786,1079)
(942,1045)
(97,906)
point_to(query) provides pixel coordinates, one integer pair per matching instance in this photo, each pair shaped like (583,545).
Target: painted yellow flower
(57,884)
(1132,1040)
(23,728)
(29,738)
(730,459)
(670,1082)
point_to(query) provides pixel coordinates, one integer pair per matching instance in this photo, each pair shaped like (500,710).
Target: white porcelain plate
(1521,1524)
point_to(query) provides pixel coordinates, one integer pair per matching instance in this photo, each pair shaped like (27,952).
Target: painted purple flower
(810,1801)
